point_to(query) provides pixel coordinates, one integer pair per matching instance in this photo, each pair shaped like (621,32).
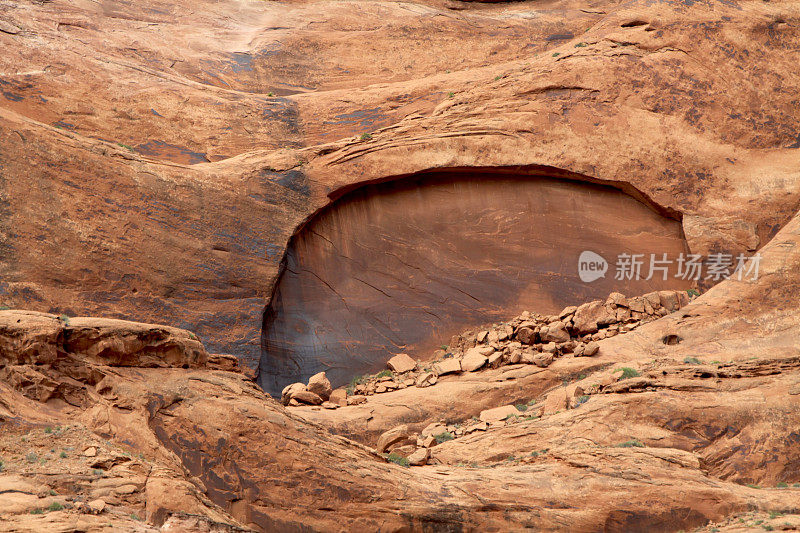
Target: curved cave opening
(401,265)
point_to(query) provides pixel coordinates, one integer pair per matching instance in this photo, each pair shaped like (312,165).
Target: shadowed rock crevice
(402,265)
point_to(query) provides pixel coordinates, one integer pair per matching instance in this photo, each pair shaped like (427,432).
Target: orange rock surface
(160,159)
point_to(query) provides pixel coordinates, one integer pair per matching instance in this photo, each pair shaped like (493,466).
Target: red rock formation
(104,212)
(402,265)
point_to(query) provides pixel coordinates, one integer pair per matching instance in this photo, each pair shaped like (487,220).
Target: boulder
(567,312)
(419,457)
(526,335)
(393,436)
(339,397)
(618,299)
(426,379)
(485,350)
(447,366)
(591,349)
(550,347)
(473,360)
(653,298)
(590,315)
(527,356)
(669,300)
(306,396)
(554,332)
(495,360)
(497,414)
(319,385)
(356,400)
(636,304)
(543,360)
(290,390)
(330,405)
(401,363)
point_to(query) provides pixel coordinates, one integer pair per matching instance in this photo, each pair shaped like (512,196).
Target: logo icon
(591,266)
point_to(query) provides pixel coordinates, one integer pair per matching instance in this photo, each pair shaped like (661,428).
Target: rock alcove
(402,265)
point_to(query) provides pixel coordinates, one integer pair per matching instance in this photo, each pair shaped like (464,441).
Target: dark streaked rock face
(401,266)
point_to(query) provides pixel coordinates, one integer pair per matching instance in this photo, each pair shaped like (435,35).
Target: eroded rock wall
(399,266)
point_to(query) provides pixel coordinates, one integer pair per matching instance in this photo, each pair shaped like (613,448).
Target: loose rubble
(526,339)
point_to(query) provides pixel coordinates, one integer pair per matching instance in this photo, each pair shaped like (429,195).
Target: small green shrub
(55,506)
(497,77)
(270,94)
(692,292)
(32,457)
(52,492)
(121,145)
(768,527)
(97,472)
(580,45)
(628,372)
(366,136)
(397,459)
(134,516)
(1,466)
(384,374)
(443,437)
(522,407)
(37,511)
(582,399)
(357,380)
(510,416)
(753,486)
(556,54)
(692,361)
(64,319)
(633,443)
(782,485)
(451,94)
(48,430)
(63,455)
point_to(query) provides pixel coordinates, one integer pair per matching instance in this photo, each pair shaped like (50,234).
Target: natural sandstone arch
(401,265)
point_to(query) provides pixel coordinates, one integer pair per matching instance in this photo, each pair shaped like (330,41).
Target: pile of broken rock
(529,339)
(526,339)
(318,391)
